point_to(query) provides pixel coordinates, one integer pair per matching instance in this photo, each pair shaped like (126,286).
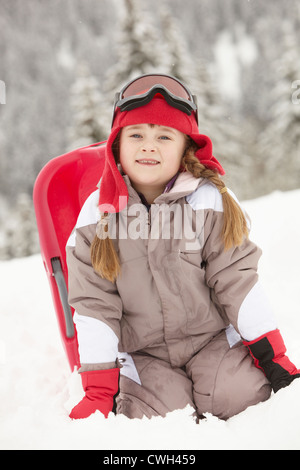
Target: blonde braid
(104,257)
(235,228)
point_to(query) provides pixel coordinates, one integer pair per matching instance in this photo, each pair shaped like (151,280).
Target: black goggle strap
(135,101)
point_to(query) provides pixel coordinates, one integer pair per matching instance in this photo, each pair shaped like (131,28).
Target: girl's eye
(164,137)
(136,136)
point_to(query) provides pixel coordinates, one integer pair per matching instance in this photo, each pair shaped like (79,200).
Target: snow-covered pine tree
(237,51)
(280,140)
(214,115)
(19,235)
(138,49)
(178,60)
(90,119)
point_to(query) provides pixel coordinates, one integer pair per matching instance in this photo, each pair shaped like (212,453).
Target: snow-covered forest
(61,62)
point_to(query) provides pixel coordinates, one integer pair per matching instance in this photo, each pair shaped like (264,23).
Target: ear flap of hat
(204,153)
(113,190)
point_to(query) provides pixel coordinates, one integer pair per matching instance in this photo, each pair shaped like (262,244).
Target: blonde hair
(104,258)
(235,228)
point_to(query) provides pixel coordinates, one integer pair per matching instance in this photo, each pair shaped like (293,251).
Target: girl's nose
(148,146)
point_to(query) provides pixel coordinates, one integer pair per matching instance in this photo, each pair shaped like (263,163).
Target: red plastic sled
(59,192)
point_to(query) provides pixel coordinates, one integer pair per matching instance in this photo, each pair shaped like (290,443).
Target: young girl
(163,276)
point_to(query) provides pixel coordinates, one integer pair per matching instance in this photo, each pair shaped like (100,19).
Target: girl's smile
(151,155)
(147,162)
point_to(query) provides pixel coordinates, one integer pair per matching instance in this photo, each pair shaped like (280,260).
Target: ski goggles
(141,90)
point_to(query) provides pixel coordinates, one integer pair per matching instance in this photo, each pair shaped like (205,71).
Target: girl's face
(151,155)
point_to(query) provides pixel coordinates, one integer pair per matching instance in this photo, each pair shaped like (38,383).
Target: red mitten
(268,352)
(100,387)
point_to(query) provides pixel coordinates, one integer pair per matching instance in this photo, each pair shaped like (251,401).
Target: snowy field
(37,389)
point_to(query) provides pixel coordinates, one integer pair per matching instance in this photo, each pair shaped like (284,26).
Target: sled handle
(63,293)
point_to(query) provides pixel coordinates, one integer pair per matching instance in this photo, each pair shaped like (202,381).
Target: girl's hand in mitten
(100,387)
(268,352)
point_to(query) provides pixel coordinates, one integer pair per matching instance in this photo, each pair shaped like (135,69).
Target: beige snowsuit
(175,317)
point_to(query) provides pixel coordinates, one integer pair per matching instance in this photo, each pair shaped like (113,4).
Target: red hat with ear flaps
(113,190)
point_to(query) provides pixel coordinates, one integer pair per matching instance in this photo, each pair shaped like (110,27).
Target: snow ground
(37,389)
